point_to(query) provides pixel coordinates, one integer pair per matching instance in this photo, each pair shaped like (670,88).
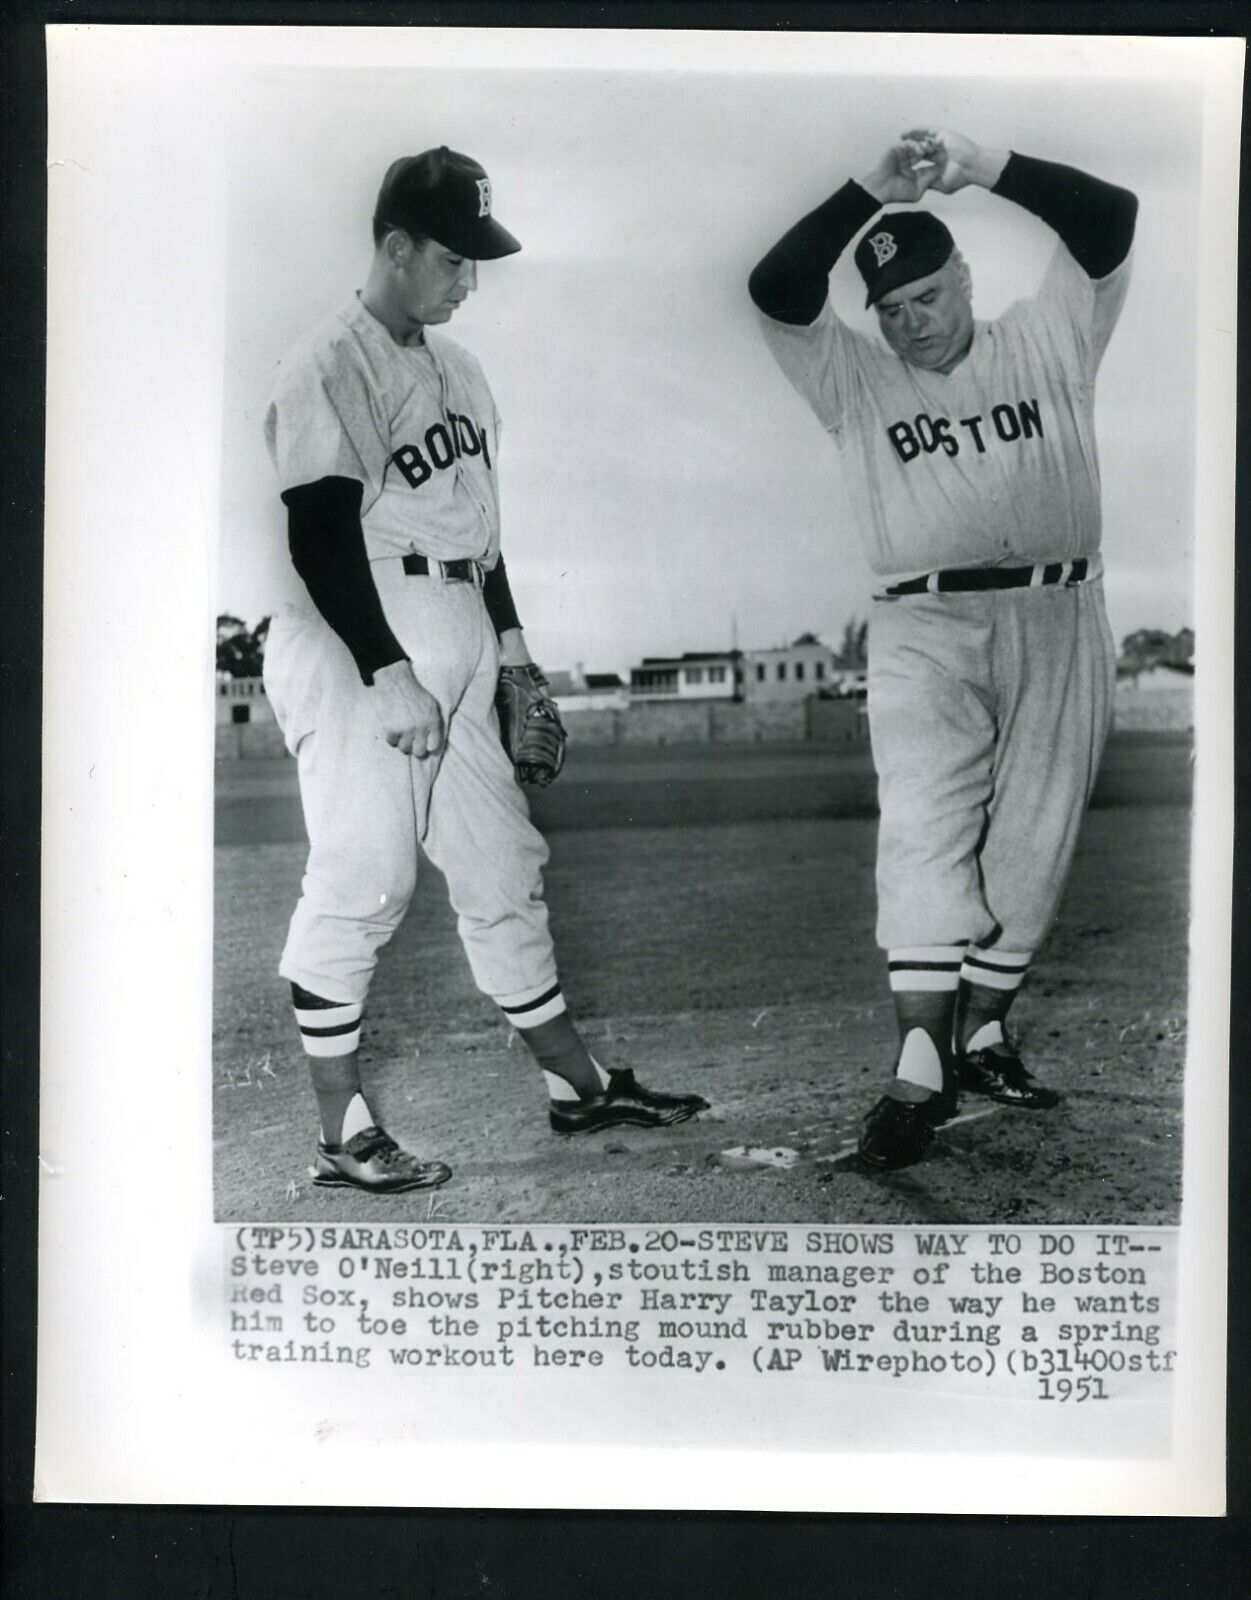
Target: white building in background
(694,675)
(796,671)
(241,700)
(588,691)
(850,682)
(782,674)
(1159,698)
(789,672)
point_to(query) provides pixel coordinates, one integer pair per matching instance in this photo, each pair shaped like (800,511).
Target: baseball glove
(531,731)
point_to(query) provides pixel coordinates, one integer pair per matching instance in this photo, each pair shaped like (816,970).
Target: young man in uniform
(385,439)
(969,452)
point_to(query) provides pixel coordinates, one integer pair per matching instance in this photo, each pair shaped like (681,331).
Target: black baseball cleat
(625,1100)
(945,1105)
(371,1160)
(897,1133)
(1003,1078)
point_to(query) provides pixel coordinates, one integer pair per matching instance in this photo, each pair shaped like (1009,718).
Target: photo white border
(134,1403)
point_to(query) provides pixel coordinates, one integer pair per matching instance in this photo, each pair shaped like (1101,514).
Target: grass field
(713,912)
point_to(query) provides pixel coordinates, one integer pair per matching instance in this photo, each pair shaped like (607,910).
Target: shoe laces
(903,1110)
(370,1142)
(1011,1068)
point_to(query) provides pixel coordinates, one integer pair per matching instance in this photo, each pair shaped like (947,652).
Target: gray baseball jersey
(416,424)
(994,462)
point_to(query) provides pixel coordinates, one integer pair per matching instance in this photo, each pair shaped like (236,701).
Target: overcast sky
(662,484)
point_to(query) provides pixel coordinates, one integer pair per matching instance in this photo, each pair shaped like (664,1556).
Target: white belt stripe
(1094,569)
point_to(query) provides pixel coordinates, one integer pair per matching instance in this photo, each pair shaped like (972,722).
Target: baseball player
(386,682)
(969,454)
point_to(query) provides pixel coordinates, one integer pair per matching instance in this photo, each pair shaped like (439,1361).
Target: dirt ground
(713,913)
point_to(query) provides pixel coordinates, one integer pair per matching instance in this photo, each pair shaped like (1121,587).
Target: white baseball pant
(988,714)
(368,808)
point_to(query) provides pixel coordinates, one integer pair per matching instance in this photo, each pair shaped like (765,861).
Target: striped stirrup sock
(569,1070)
(924,980)
(327,1027)
(989,982)
(331,1034)
(527,1014)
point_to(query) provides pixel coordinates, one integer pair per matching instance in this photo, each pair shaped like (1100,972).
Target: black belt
(461,570)
(969,580)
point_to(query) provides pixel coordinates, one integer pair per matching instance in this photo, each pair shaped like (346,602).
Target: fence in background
(713,722)
(727,722)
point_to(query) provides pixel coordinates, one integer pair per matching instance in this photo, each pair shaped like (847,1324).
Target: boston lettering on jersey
(444,442)
(928,434)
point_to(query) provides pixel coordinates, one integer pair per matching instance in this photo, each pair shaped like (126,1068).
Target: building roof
(788,649)
(692,656)
(603,680)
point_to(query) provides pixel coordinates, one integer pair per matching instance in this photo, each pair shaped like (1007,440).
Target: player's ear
(397,247)
(965,276)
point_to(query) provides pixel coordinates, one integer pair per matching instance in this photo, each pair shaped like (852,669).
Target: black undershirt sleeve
(327,547)
(498,599)
(791,283)
(1095,219)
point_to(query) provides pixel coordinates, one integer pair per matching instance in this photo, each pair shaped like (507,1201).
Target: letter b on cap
(484,197)
(883,247)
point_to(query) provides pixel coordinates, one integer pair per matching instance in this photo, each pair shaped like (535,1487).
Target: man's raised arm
(1094,219)
(791,282)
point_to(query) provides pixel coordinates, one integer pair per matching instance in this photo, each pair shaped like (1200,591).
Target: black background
(185,1553)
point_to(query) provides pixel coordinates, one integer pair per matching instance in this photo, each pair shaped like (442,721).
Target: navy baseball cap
(899,248)
(447,196)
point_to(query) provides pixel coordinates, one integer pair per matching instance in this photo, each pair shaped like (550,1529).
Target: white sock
(559,1088)
(919,1061)
(355,1118)
(990,1033)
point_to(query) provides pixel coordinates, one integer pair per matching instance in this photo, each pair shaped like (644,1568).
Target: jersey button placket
(459,483)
